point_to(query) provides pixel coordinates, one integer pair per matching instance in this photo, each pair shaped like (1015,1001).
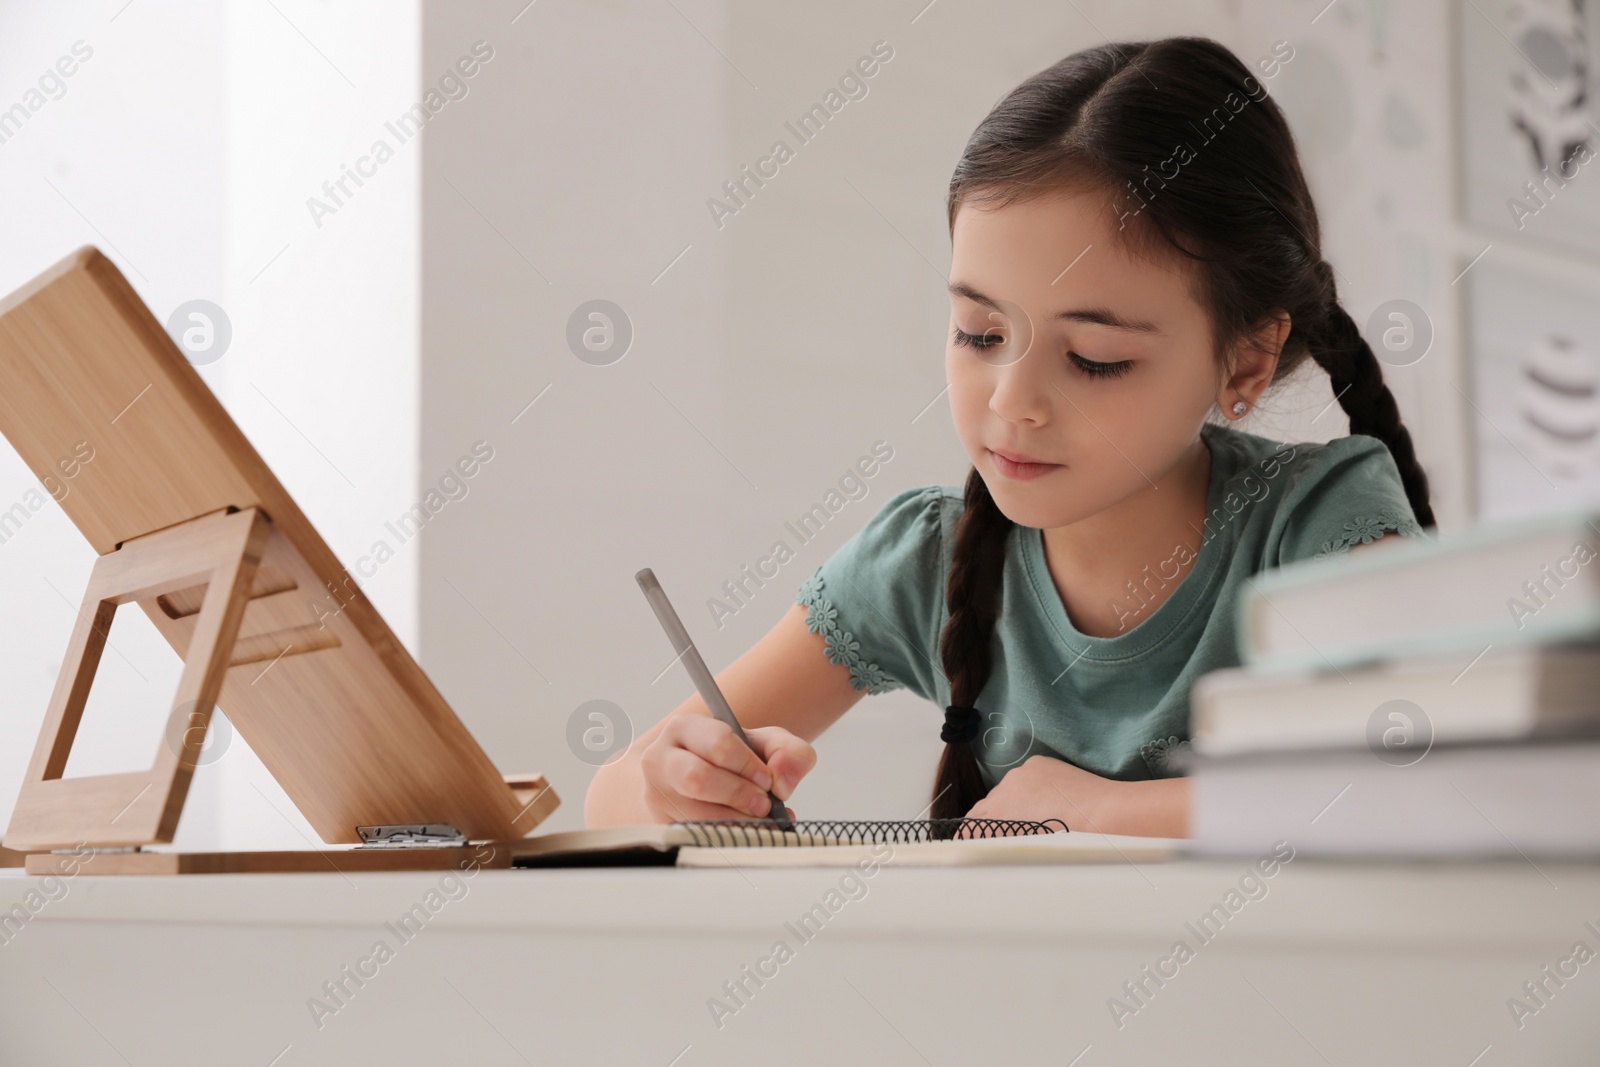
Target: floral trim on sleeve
(1364,530)
(1167,757)
(822,617)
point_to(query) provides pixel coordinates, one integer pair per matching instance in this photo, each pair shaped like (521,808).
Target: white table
(1340,963)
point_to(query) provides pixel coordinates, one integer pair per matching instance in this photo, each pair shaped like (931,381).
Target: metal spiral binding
(743,833)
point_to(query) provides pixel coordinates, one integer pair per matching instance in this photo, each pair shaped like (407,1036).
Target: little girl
(1133,246)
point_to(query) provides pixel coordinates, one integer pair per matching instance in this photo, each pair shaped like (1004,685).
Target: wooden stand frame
(191,524)
(141,807)
(215,559)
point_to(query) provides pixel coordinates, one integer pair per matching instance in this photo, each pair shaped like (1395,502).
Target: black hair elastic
(960,724)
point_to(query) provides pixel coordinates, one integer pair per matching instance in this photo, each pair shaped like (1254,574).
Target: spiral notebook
(835,842)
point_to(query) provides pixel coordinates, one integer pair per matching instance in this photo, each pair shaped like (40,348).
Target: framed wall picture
(1533,349)
(1530,130)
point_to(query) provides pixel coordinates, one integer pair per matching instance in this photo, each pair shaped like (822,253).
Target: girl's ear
(1254,360)
(1273,331)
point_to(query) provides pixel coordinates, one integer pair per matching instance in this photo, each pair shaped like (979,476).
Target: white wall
(188,144)
(326,386)
(128,158)
(574,170)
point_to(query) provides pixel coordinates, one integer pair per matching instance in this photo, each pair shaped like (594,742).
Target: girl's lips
(1020,471)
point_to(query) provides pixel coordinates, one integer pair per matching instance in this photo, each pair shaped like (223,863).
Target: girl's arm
(785,692)
(1042,787)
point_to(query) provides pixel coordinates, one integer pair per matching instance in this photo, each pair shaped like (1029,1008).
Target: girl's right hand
(697,769)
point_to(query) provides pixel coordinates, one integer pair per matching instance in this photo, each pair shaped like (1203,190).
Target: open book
(828,843)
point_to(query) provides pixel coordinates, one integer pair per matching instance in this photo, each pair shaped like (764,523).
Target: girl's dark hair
(1111,118)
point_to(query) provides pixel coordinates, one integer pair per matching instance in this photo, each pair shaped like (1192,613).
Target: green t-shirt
(1116,706)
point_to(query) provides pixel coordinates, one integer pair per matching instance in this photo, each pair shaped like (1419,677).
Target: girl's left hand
(1045,788)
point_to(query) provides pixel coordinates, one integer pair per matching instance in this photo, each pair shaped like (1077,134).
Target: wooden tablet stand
(192,526)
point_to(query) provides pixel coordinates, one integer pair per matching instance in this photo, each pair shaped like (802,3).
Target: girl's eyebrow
(1095,316)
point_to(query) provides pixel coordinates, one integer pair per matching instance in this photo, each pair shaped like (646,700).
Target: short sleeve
(877,600)
(1349,493)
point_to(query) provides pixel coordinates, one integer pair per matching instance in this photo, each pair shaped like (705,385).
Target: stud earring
(1238,407)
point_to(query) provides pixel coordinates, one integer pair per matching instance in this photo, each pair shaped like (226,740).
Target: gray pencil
(700,674)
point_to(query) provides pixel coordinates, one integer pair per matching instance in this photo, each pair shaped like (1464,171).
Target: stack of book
(1439,697)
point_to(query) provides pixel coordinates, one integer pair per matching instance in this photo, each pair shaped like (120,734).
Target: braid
(1357,378)
(973,596)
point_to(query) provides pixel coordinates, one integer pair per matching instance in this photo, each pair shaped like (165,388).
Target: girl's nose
(1022,393)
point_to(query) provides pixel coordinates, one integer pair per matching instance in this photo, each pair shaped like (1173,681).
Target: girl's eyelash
(984,342)
(1100,370)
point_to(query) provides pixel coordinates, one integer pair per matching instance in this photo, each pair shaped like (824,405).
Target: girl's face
(1096,363)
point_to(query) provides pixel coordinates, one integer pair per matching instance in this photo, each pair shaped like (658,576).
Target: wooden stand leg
(141,807)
